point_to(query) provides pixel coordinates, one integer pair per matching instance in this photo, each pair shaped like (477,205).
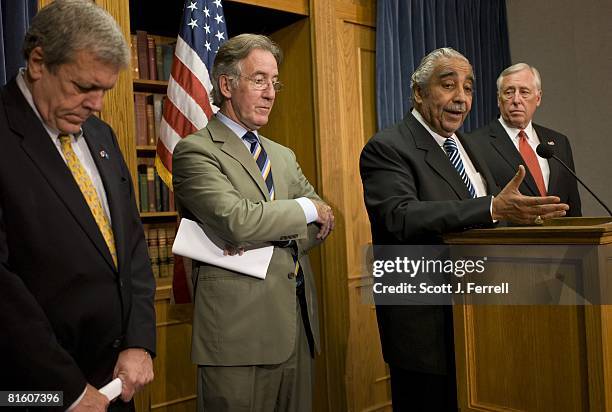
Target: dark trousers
(422,392)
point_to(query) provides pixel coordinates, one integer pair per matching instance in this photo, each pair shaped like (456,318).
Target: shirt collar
(437,137)
(25,90)
(235,127)
(513,131)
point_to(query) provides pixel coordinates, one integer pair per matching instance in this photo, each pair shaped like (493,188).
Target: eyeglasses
(261,83)
(509,93)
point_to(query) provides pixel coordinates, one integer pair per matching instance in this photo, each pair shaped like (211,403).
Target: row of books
(148,108)
(159,242)
(150,61)
(154,194)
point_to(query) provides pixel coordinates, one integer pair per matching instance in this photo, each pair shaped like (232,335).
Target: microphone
(546,152)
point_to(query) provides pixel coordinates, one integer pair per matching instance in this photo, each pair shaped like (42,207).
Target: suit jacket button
(290,275)
(116,343)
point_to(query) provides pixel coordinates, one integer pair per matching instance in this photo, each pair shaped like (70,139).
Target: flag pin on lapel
(103,154)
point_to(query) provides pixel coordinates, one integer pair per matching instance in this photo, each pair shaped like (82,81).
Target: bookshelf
(151,61)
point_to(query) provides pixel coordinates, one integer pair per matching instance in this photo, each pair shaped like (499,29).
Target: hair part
(519,67)
(230,55)
(422,75)
(66,27)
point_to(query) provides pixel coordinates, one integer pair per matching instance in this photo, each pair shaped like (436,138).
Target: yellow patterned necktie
(90,194)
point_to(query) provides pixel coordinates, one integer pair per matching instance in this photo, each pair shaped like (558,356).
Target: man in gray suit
(253,339)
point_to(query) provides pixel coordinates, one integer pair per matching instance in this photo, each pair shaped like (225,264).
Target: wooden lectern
(545,358)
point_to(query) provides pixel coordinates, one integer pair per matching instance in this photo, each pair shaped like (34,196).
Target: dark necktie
(531,161)
(262,160)
(450,146)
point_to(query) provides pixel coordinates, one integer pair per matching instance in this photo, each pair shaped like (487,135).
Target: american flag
(189,103)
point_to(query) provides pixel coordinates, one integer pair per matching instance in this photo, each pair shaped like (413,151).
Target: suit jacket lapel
(233,146)
(435,157)
(506,149)
(38,146)
(489,181)
(554,166)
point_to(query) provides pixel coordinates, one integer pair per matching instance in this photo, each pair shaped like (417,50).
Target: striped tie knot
(452,150)
(262,160)
(251,139)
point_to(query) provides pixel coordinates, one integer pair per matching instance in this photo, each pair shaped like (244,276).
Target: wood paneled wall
(344,73)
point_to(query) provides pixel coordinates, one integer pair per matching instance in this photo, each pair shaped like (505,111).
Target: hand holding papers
(191,241)
(112,389)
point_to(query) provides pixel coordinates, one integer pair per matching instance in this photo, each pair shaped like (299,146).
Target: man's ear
(418,94)
(36,63)
(225,86)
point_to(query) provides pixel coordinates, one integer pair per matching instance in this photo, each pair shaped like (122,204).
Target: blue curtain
(406,30)
(15,16)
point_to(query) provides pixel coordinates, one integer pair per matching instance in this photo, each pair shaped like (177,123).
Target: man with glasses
(512,139)
(253,339)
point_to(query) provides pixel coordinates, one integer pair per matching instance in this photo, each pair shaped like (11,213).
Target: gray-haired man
(422,179)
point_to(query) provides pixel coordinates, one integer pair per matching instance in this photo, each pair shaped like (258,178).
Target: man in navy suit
(501,142)
(416,190)
(76,286)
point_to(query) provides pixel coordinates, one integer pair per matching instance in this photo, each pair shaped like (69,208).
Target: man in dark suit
(512,139)
(76,306)
(253,339)
(422,179)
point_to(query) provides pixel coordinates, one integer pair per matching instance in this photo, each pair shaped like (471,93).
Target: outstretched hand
(510,205)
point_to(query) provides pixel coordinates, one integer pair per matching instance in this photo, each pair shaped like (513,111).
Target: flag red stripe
(164,155)
(185,78)
(175,119)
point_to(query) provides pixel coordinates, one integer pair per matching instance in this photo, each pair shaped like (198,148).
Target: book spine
(154,251)
(152,58)
(143,188)
(163,252)
(143,54)
(150,118)
(151,187)
(134,57)
(140,107)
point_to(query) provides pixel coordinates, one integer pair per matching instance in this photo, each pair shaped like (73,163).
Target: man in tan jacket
(253,339)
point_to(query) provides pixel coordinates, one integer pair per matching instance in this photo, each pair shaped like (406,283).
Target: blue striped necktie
(450,146)
(262,160)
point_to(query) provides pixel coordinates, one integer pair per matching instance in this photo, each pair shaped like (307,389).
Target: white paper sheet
(112,389)
(192,242)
